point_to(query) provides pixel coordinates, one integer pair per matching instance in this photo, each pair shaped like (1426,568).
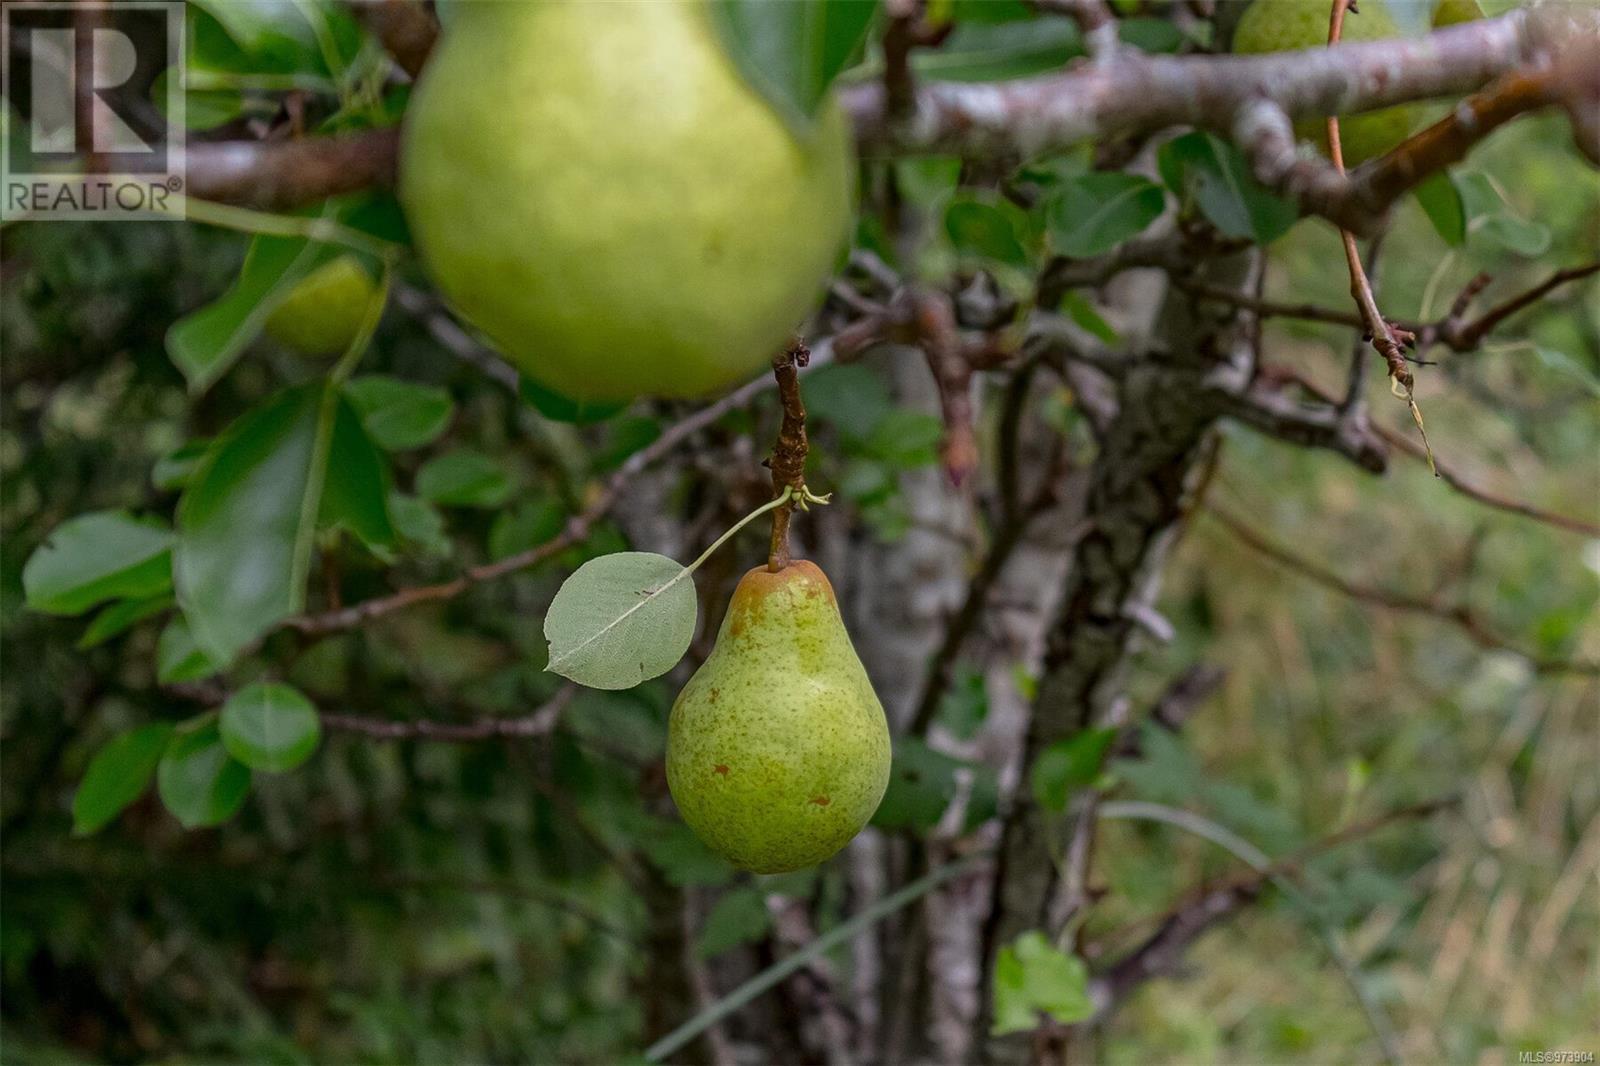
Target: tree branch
(283,175)
(1159,954)
(1459,615)
(539,723)
(404,27)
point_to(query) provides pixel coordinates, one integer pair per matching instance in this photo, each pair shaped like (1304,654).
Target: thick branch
(282,175)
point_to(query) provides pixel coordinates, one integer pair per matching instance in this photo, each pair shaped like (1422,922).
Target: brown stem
(788,462)
(1383,338)
(404,27)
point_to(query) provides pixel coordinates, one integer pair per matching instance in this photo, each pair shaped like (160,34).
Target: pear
(598,189)
(1286,25)
(778,749)
(325,309)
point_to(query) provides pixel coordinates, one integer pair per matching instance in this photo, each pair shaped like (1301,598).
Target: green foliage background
(394,901)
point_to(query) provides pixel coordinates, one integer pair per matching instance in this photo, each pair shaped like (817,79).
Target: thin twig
(1459,615)
(577,528)
(539,723)
(1450,476)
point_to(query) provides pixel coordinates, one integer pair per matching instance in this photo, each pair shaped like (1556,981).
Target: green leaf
(905,439)
(200,783)
(791,52)
(117,775)
(1075,307)
(99,556)
(1098,211)
(270,727)
(178,658)
(174,470)
(400,414)
(621,619)
(121,616)
(740,917)
(674,849)
(984,231)
(525,526)
(1527,239)
(355,490)
(558,408)
(1562,363)
(206,343)
(463,478)
(247,521)
(419,522)
(999,51)
(1490,218)
(1203,169)
(965,706)
(1032,976)
(1441,201)
(923,782)
(1068,765)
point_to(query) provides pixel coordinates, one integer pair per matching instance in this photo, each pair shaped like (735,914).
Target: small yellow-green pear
(778,749)
(325,309)
(1288,25)
(1455,12)
(598,189)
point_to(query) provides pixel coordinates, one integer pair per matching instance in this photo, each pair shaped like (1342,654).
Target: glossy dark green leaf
(400,414)
(1441,201)
(270,727)
(99,556)
(205,343)
(1098,211)
(355,490)
(178,658)
(791,52)
(1068,765)
(463,478)
(1204,170)
(247,521)
(558,408)
(122,616)
(119,772)
(199,782)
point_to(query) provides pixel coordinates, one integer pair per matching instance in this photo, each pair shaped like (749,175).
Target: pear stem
(788,462)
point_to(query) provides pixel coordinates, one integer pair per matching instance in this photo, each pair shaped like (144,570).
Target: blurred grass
(1479,930)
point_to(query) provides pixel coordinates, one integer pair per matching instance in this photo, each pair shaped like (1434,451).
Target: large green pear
(596,188)
(777,749)
(1287,25)
(324,310)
